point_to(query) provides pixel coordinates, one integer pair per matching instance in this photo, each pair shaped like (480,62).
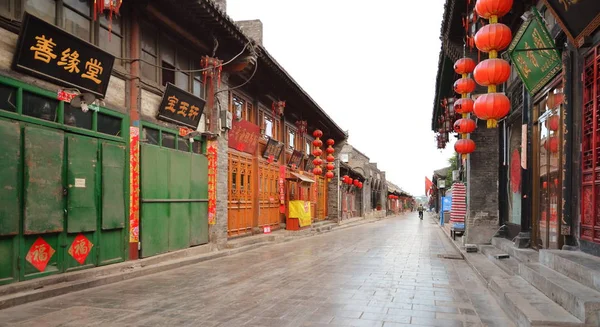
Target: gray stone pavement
(384,274)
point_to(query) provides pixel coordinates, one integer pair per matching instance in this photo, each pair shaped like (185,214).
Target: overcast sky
(371,65)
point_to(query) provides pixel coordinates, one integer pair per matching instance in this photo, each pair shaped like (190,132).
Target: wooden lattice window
(590,146)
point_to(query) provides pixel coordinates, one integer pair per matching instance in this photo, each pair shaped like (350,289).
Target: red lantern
(330,166)
(349,181)
(330,158)
(553,122)
(488,8)
(464,85)
(355,182)
(330,150)
(545,184)
(329,175)
(491,107)
(317,133)
(464,66)
(493,37)
(554,100)
(317,161)
(317,152)
(463,105)
(390,196)
(551,144)
(556,182)
(464,126)
(464,146)
(330,142)
(492,72)
(344,178)
(317,143)
(360,184)
(317,171)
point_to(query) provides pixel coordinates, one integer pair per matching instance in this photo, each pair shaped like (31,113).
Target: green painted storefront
(64,184)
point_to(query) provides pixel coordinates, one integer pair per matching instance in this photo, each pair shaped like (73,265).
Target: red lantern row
(464,105)
(349,181)
(317,152)
(393,197)
(330,159)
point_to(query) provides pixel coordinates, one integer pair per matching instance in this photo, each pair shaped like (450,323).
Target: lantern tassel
(492,123)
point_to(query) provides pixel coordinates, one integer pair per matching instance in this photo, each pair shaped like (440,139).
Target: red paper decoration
(553,123)
(551,144)
(492,72)
(491,107)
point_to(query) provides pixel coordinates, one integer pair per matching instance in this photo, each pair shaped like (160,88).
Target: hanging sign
(578,18)
(180,107)
(134,184)
(295,159)
(534,54)
(211,149)
(48,52)
(273,148)
(244,136)
(309,163)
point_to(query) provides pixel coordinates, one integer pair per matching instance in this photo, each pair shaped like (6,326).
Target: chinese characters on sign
(244,136)
(134,184)
(273,148)
(578,18)
(48,52)
(39,254)
(180,107)
(80,248)
(211,149)
(534,55)
(295,159)
(281,184)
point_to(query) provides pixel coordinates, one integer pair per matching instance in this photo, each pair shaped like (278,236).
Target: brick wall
(482,190)
(333,187)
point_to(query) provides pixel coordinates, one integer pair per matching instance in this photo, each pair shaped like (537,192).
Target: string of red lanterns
(317,152)
(464,106)
(330,159)
(491,72)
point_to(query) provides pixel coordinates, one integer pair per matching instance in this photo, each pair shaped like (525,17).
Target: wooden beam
(170,23)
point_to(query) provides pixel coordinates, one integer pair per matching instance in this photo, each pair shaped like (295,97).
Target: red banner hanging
(282,189)
(134,185)
(212,182)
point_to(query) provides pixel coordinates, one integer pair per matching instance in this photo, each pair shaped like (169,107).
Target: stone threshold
(46,287)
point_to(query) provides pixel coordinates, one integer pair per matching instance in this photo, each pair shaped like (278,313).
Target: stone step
(528,306)
(522,255)
(509,265)
(250,240)
(581,301)
(483,267)
(579,266)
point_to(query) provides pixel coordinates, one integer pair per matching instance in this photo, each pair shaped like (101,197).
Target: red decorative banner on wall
(134,184)
(211,149)
(244,136)
(282,189)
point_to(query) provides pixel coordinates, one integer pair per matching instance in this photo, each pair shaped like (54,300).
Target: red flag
(428,185)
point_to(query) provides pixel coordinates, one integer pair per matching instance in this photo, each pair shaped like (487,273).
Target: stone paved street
(382,274)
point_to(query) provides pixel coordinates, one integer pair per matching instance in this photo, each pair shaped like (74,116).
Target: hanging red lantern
(488,8)
(344,178)
(492,72)
(317,133)
(556,182)
(349,181)
(330,150)
(330,142)
(553,122)
(317,143)
(464,85)
(463,105)
(317,152)
(390,196)
(545,185)
(330,158)
(355,182)
(317,171)
(108,8)
(493,37)
(464,126)
(551,144)
(554,100)
(464,146)
(317,161)
(360,185)
(330,166)
(329,175)
(491,107)
(464,66)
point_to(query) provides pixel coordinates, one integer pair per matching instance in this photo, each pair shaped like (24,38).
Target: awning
(300,177)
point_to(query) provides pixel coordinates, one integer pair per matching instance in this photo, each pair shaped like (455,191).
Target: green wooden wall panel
(179,188)
(82,212)
(114,179)
(55,259)
(154,217)
(199,210)
(43,182)
(70,263)
(8,259)
(112,249)
(10,191)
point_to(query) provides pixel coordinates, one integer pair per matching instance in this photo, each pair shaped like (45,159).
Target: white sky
(375,57)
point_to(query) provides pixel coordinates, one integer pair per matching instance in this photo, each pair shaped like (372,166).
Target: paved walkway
(382,274)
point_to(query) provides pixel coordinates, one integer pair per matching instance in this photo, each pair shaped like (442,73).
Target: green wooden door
(174,211)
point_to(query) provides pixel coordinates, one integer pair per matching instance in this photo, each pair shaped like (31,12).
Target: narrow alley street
(388,273)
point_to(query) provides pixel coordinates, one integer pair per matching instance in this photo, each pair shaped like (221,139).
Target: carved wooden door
(241,195)
(268,176)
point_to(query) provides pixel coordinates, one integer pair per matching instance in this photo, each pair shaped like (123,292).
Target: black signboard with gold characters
(180,107)
(295,159)
(273,148)
(48,52)
(578,18)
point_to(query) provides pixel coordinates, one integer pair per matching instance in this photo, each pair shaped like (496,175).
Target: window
(109,125)
(113,41)
(40,107)
(8,98)
(291,139)
(149,54)
(168,75)
(307,147)
(77,118)
(269,125)
(151,136)
(168,140)
(241,109)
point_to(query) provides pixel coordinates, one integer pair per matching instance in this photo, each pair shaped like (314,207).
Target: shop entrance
(548,140)
(268,176)
(241,194)
(321,210)
(64,187)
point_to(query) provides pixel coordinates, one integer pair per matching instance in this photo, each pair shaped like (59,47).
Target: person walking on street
(420,209)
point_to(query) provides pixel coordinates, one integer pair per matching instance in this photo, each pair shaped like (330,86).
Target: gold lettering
(524,68)
(194,111)
(531,56)
(539,43)
(183,108)
(94,69)
(172,101)
(43,49)
(70,61)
